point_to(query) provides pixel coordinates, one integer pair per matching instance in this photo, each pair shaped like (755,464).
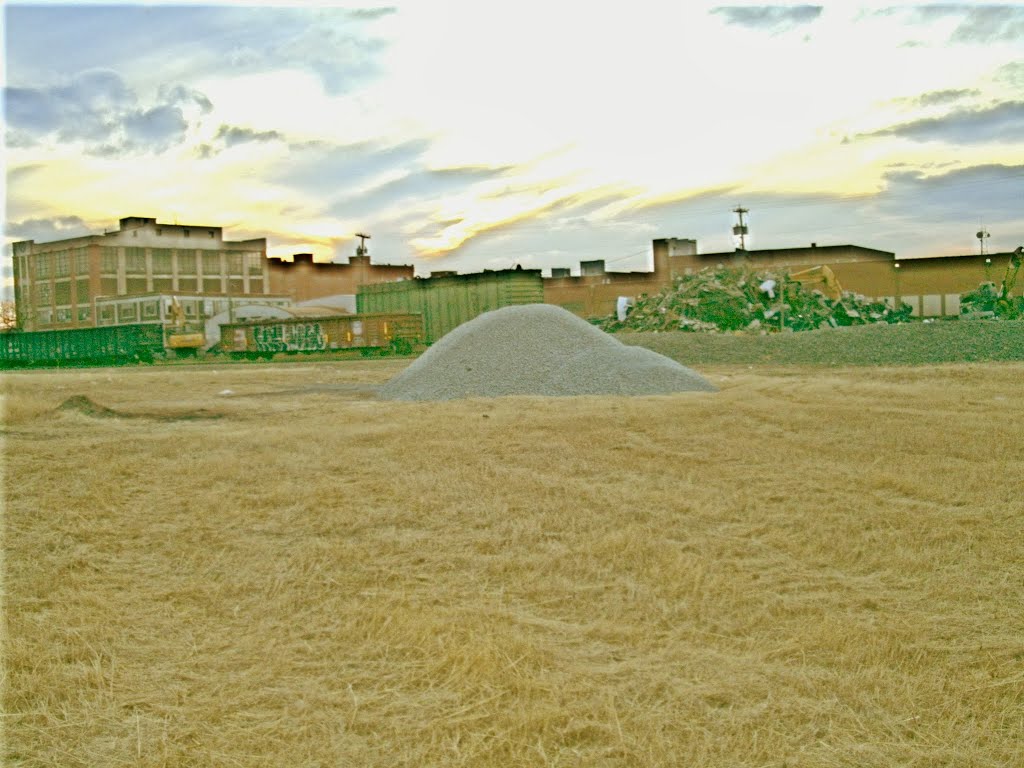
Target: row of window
(162,261)
(60,292)
(58,263)
(46,315)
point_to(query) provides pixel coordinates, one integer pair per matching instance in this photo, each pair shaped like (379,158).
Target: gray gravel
(537,349)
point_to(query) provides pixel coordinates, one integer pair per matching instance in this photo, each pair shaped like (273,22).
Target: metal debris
(741,300)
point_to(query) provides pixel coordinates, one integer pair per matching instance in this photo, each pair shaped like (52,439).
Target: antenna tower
(981,234)
(361,248)
(741,229)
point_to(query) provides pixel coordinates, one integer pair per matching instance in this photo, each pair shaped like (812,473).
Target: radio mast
(741,228)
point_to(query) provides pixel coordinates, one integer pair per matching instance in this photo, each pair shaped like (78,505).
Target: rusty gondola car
(367,333)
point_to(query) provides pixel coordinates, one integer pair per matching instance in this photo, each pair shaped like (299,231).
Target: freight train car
(447,302)
(109,345)
(263,338)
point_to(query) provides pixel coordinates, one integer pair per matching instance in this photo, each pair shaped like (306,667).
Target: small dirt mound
(537,349)
(87,406)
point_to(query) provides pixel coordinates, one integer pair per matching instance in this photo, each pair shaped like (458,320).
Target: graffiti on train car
(289,337)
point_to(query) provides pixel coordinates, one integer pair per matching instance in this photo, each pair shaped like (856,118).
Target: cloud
(229,136)
(195,41)
(44,230)
(1012,73)
(990,24)
(322,169)
(233,135)
(97,108)
(1002,122)
(960,196)
(978,23)
(771,18)
(156,128)
(368,14)
(947,96)
(78,109)
(417,188)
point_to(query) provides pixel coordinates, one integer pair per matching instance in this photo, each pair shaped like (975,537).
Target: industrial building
(56,284)
(132,275)
(146,271)
(931,286)
(303,279)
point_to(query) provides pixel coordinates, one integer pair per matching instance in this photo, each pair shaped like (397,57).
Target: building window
(81,262)
(135,260)
(84,314)
(212,233)
(106,313)
(81,291)
(211,263)
(186,262)
(234,263)
(63,314)
(161,261)
(44,265)
(126,312)
(44,292)
(45,316)
(108,261)
(62,292)
(184,232)
(150,309)
(255,262)
(62,260)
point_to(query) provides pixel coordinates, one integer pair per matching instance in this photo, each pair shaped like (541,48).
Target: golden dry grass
(809,568)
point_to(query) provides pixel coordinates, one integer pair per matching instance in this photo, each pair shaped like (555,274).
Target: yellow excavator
(990,300)
(819,278)
(180,336)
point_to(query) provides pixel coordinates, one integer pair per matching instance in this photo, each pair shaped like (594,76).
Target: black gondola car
(109,345)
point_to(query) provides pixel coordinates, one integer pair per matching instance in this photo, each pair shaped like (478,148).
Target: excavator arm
(1010,277)
(822,278)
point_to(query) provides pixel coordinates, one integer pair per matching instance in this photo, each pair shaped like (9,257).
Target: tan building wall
(303,279)
(932,286)
(596,295)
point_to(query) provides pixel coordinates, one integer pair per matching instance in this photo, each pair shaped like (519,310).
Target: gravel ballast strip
(952,341)
(537,349)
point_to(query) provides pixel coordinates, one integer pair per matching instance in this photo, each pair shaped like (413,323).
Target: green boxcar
(109,345)
(447,302)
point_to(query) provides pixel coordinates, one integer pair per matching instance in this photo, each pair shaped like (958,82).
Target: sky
(467,135)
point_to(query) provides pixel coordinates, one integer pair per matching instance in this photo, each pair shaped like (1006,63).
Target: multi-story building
(56,284)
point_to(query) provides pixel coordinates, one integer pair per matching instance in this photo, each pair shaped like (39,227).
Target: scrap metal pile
(731,299)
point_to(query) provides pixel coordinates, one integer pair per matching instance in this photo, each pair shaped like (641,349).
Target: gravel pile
(537,349)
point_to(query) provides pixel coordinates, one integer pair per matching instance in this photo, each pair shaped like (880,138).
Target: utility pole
(741,228)
(361,248)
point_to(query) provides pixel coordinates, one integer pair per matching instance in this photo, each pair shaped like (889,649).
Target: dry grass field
(811,567)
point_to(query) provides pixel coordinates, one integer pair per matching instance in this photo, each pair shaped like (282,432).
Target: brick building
(56,284)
